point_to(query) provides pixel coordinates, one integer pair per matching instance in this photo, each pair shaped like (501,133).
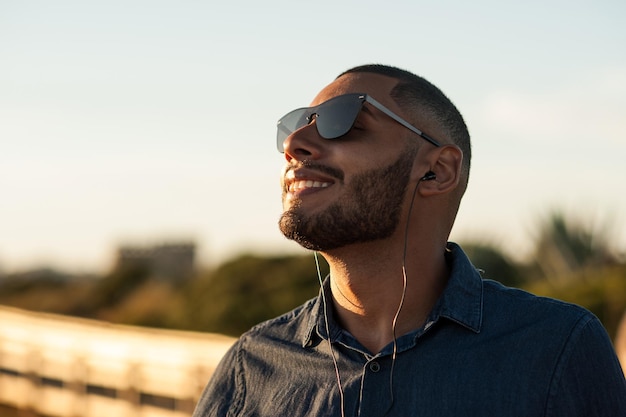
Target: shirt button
(374,367)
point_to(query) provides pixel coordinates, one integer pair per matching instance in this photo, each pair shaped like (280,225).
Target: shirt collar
(318,328)
(461,301)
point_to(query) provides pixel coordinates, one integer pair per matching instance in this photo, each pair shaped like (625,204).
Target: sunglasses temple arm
(429,139)
(400,120)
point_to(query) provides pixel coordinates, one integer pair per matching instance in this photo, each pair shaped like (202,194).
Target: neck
(368,284)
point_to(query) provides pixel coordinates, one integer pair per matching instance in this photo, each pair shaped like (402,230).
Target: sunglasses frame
(363,98)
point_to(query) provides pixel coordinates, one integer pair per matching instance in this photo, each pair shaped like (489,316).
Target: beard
(369,211)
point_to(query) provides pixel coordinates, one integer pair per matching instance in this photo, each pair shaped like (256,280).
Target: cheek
(361,163)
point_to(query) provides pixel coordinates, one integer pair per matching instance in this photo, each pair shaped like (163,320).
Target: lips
(301,180)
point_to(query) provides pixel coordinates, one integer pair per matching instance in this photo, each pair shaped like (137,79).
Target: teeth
(299,185)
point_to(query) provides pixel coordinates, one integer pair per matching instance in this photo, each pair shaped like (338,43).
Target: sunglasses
(335,117)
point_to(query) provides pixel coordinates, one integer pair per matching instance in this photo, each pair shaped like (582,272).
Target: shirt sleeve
(220,394)
(588,379)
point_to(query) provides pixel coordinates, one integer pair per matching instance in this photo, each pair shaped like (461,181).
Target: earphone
(429,176)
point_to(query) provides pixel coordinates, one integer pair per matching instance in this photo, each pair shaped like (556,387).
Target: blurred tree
(248,290)
(150,304)
(112,289)
(564,246)
(602,290)
(44,290)
(493,263)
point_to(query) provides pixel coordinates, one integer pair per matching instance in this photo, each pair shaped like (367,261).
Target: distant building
(167,262)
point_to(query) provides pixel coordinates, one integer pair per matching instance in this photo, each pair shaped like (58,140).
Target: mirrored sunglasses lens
(336,117)
(333,118)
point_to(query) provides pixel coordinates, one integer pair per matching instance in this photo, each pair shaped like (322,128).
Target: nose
(304,143)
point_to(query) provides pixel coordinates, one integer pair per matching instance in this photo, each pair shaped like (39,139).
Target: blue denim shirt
(485,350)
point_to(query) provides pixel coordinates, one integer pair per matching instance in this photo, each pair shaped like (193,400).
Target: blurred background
(139,175)
(145,121)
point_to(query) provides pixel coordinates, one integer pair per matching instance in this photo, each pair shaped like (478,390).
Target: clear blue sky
(147,121)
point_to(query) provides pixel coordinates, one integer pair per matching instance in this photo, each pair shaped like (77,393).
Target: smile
(305,180)
(299,185)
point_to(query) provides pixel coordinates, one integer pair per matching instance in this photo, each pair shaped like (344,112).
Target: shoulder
(251,355)
(550,330)
(517,306)
(499,294)
(292,326)
(565,339)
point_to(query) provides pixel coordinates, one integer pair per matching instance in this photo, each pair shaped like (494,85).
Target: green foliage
(564,246)
(494,264)
(117,285)
(248,290)
(44,290)
(600,290)
(149,304)
(237,295)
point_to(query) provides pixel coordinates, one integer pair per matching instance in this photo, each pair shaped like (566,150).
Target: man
(404,324)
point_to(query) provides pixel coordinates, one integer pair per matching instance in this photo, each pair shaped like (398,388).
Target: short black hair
(419,95)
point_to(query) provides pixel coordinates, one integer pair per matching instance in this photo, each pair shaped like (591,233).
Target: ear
(445,162)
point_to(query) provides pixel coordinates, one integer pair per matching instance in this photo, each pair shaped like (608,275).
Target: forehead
(376,85)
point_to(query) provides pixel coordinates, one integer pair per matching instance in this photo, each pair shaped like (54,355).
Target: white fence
(66,367)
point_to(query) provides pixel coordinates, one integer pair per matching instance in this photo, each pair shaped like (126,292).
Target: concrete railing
(67,367)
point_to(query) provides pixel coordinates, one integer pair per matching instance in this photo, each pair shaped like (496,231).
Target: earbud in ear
(429,176)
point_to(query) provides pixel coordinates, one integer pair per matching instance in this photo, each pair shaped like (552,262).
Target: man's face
(351,189)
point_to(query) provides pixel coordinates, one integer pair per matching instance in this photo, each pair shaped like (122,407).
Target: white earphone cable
(330,345)
(395,318)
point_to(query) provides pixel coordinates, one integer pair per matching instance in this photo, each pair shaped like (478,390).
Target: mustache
(325,169)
